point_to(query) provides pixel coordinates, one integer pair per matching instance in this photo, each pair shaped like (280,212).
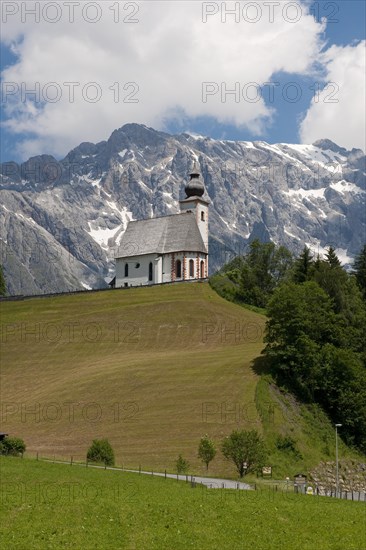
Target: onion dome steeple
(195,187)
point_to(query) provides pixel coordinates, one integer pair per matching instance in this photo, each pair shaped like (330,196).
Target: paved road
(210,482)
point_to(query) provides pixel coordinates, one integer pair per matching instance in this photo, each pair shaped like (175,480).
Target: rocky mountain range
(62,220)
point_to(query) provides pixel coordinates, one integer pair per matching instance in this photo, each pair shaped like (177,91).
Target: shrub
(101,451)
(206,450)
(182,465)
(12,446)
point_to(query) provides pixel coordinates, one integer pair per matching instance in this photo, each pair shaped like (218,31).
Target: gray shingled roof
(161,236)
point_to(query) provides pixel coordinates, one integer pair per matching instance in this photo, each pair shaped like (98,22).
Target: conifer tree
(332,258)
(359,268)
(317,262)
(303,267)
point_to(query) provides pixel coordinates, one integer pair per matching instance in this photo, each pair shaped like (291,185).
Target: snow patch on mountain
(326,159)
(144,186)
(346,187)
(290,234)
(102,235)
(316,193)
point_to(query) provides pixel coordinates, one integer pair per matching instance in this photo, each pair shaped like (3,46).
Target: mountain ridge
(65,218)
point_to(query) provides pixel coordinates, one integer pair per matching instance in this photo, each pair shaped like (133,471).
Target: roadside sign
(300,479)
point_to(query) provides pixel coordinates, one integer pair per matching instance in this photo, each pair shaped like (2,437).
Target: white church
(169,248)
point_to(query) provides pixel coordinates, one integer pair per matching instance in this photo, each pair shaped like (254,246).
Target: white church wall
(161,268)
(167,268)
(136,275)
(158,270)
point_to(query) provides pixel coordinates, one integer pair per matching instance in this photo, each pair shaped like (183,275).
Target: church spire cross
(195,172)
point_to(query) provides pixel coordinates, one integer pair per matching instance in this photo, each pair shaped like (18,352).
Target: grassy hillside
(151,369)
(135,366)
(74,507)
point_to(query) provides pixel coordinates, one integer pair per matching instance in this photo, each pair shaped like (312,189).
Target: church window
(126,270)
(202,216)
(202,269)
(137,265)
(178,269)
(150,271)
(191,268)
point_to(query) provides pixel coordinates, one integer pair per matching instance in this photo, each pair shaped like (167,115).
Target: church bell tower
(195,202)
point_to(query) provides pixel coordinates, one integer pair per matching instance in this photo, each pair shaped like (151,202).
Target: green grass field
(151,369)
(47,506)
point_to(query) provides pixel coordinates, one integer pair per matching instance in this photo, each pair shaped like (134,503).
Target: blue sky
(35,129)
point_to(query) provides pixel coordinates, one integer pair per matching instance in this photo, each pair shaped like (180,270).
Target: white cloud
(168,53)
(339,111)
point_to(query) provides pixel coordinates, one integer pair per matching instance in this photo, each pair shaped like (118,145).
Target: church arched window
(191,268)
(178,269)
(150,271)
(202,269)
(126,270)
(202,216)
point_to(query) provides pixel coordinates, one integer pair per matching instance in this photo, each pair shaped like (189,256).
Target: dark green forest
(316,329)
